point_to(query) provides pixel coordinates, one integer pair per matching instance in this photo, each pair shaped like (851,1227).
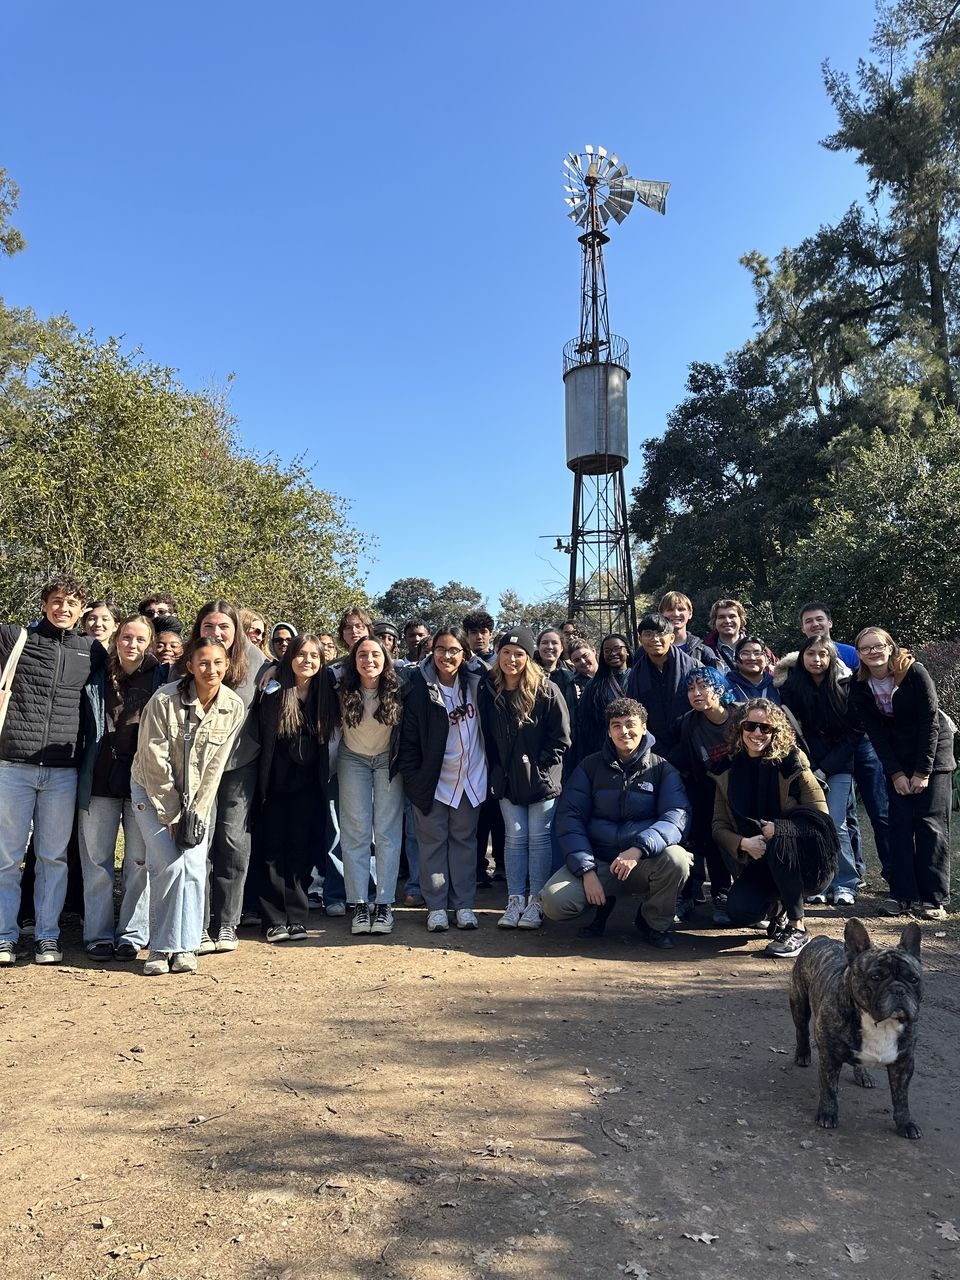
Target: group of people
(259,773)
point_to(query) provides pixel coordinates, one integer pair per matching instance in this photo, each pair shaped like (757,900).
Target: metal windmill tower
(595,372)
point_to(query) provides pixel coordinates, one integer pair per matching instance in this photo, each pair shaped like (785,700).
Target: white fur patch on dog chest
(879,1040)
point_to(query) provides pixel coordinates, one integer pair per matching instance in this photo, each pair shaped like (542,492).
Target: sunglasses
(757,726)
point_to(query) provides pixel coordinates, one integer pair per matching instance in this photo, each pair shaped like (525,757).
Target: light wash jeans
(838,797)
(527,851)
(371,811)
(97,829)
(34,795)
(177,878)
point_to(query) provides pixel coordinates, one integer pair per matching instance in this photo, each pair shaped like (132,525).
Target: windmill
(596,367)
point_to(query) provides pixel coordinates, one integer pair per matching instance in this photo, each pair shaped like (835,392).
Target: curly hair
(351,690)
(782,741)
(716,680)
(532,679)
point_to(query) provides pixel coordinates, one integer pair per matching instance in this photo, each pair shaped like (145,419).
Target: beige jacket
(158,764)
(800,787)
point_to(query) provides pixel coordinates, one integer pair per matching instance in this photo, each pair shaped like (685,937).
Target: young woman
(201,717)
(280,637)
(255,629)
(297,714)
(100,620)
(771,818)
(371,797)
(168,644)
(895,700)
(583,659)
(444,770)
(609,683)
(526,728)
(814,691)
(114,698)
(230,839)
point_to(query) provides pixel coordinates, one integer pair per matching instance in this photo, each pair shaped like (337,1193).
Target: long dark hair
(194,645)
(463,674)
(351,692)
(318,713)
(603,667)
(808,700)
(237,666)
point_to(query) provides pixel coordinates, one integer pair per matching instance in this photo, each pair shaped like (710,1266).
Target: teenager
(100,620)
(197,717)
(280,637)
(658,678)
(751,676)
(609,683)
(526,728)
(678,609)
(479,629)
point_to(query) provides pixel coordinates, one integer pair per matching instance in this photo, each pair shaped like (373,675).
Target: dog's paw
(863,1078)
(802,1059)
(909,1130)
(827,1119)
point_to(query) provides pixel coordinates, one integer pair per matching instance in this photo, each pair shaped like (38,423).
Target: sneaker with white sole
(931,911)
(47,951)
(8,953)
(297,933)
(184,962)
(382,918)
(511,917)
(361,918)
(467,919)
(437,922)
(335,909)
(277,933)
(156,963)
(227,939)
(788,942)
(532,918)
(894,908)
(816,900)
(207,944)
(844,898)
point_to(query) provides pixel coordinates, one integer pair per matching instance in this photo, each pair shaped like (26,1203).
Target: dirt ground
(470,1105)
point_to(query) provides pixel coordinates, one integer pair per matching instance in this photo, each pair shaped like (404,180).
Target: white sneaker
(184,962)
(207,945)
(467,919)
(437,922)
(532,918)
(335,909)
(361,918)
(816,900)
(156,963)
(511,917)
(843,898)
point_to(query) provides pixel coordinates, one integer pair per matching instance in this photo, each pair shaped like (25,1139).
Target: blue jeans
(371,812)
(97,829)
(177,878)
(838,796)
(872,786)
(44,798)
(527,851)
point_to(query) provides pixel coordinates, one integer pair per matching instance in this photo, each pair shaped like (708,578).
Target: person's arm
(153,767)
(556,730)
(673,815)
(928,725)
(725,832)
(571,822)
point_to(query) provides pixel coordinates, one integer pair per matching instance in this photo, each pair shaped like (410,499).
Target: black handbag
(191,829)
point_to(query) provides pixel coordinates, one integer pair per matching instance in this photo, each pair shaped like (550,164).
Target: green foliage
(11,241)
(551,611)
(419,599)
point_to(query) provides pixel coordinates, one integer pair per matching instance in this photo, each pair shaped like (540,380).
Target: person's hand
(593,889)
(624,863)
(918,783)
(768,830)
(902,785)
(754,846)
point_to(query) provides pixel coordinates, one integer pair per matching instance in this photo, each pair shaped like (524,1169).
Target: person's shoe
(413,900)
(336,909)
(28,927)
(361,918)
(532,918)
(788,942)
(277,933)
(125,951)
(931,911)
(438,922)
(156,963)
(207,944)
(227,939)
(467,919)
(382,919)
(894,908)
(598,925)
(701,896)
(251,920)
(47,951)
(685,909)
(511,917)
(184,962)
(776,924)
(315,901)
(101,951)
(720,914)
(844,898)
(8,953)
(297,932)
(816,900)
(658,938)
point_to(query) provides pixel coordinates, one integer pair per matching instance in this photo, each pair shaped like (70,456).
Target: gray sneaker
(361,918)
(437,922)
(8,953)
(207,944)
(335,909)
(511,917)
(382,919)
(156,963)
(467,919)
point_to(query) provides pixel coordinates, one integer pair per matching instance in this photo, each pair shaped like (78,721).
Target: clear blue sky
(357,210)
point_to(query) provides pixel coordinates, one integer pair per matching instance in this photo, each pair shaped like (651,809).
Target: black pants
(769,883)
(489,827)
(289,828)
(707,857)
(920,842)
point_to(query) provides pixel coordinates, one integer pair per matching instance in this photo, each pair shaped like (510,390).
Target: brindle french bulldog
(865,1002)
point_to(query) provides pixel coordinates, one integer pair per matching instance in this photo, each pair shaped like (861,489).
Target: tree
(11,241)
(551,611)
(423,600)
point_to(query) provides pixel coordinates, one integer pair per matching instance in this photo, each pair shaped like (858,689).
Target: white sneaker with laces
(511,917)
(467,919)
(532,918)
(156,963)
(438,922)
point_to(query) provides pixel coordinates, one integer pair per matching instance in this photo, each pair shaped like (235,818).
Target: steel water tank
(596,417)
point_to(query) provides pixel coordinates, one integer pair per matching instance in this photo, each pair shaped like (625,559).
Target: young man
(678,609)
(728,622)
(618,824)
(816,620)
(39,758)
(413,633)
(657,679)
(161,605)
(479,629)
(389,636)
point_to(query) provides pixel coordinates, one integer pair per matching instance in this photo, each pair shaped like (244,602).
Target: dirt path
(476,1105)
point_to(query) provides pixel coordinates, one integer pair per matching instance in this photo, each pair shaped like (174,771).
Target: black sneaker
(125,951)
(47,951)
(277,933)
(296,932)
(597,926)
(101,951)
(788,943)
(227,939)
(776,924)
(658,938)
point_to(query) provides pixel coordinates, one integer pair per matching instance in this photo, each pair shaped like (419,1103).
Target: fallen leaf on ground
(704,1237)
(856,1252)
(949,1232)
(634,1269)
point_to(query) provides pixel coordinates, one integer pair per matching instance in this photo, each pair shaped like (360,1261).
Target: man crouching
(618,824)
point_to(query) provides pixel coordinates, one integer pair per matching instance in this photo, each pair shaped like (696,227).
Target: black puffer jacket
(525,761)
(43,718)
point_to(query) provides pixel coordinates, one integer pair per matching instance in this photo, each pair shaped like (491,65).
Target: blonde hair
(532,680)
(887,638)
(675,600)
(727,603)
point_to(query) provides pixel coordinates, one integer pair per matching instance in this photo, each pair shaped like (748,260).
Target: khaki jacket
(800,787)
(158,764)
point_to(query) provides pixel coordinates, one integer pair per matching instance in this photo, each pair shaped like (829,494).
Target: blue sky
(357,210)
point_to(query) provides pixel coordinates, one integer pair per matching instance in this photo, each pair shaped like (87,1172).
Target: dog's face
(885,982)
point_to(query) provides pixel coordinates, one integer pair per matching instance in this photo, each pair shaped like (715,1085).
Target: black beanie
(521,636)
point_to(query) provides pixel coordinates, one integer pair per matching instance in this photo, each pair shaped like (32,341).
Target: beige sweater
(158,764)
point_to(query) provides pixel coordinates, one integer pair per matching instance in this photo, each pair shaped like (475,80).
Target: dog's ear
(910,939)
(856,938)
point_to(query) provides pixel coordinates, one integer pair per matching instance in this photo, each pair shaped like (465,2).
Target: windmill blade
(617,208)
(588,149)
(601,151)
(652,194)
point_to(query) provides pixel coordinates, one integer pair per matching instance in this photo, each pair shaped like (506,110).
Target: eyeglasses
(614,653)
(446,653)
(757,726)
(872,648)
